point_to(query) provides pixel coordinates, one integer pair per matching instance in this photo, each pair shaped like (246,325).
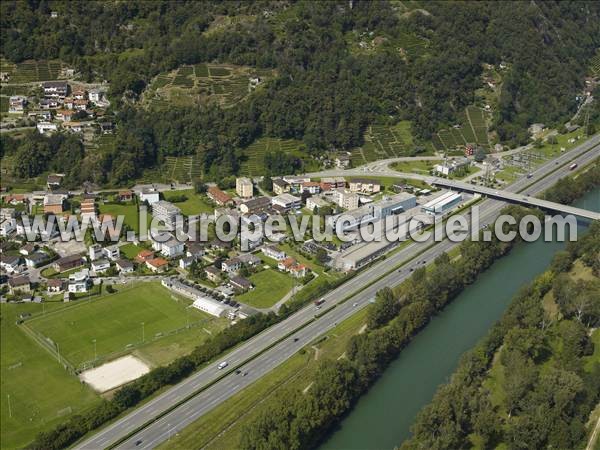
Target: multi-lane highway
(267,350)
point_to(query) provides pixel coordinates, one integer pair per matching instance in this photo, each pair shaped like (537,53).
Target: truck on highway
(573,166)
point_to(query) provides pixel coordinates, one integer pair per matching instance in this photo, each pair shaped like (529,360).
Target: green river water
(381,419)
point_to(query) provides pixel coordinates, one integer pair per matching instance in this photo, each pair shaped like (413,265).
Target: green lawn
(42,394)
(194,204)
(130,251)
(270,287)
(115,321)
(420,167)
(128,210)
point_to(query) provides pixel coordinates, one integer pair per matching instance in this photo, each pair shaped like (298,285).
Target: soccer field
(37,392)
(135,317)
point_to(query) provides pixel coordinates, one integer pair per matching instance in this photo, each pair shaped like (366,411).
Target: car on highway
(223,365)
(238,372)
(354,304)
(138,442)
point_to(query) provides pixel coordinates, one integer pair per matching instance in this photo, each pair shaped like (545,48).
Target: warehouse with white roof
(442,203)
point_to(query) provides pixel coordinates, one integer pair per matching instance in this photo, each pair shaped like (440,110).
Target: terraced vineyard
(179,169)
(32,71)
(254,154)
(385,141)
(201,84)
(595,64)
(472,130)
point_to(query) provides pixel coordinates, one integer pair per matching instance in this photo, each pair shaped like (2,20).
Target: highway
(184,414)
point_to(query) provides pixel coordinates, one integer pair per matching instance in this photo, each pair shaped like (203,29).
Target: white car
(222,365)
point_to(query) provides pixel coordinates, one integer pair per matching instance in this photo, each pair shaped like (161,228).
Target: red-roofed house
(218,196)
(157,264)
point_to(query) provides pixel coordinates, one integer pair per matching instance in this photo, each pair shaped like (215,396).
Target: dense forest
(325,93)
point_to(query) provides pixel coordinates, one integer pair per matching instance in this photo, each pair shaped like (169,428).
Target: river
(381,419)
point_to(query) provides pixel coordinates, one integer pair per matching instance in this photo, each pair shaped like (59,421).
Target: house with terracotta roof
(286,264)
(157,265)
(144,255)
(218,196)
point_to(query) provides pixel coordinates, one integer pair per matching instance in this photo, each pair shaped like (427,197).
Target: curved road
(271,352)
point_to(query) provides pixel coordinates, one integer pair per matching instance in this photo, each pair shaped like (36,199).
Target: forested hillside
(421,64)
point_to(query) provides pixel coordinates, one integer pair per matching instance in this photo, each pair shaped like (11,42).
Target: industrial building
(442,203)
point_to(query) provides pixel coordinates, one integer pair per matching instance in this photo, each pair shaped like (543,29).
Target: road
(511,197)
(188,411)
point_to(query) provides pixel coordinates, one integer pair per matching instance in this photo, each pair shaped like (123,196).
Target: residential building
(112,252)
(166,212)
(364,185)
(329,183)
(212,274)
(53,181)
(316,202)
(46,127)
(249,259)
(272,251)
(186,262)
(195,251)
(345,199)
(96,96)
(7,226)
(55,285)
(298,270)
(172,248)
(244,187)
(53,204)
(125,196)
(10,263)
(94,252)
(255,206)
(144,255)
(36,259)
(64,115)
(286,201)
(124,266)
(100,265)
(79,282)
(218,196)
(149,195)
(68,263)
(20,284)
(49,103)
(157,265)
(55,89)
(286,263)
(312,187)
(88,208)
(16,104)
(14,199)
(342,160)
(451,166)
(240,283)
(280,186)
(231,265)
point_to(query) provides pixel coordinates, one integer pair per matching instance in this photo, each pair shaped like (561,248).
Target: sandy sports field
(115,373)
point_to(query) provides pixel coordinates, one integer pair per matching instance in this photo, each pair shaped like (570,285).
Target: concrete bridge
(512,197)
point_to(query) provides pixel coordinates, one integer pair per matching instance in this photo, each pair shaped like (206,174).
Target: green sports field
(270,287)
(41,392)
(115,322)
